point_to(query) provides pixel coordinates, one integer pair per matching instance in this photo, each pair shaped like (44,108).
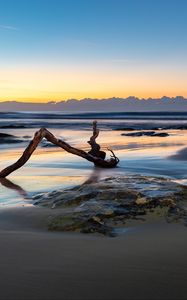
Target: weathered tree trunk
(93,156)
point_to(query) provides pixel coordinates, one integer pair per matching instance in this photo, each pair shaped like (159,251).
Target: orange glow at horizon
(40,85)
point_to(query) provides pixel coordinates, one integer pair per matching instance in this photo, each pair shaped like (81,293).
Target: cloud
(7,27)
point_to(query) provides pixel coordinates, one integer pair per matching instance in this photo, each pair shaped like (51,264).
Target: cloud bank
(130,104)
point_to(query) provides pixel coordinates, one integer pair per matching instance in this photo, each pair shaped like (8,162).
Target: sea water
(51,167)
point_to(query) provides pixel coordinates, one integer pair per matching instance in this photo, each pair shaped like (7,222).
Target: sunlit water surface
(51,168)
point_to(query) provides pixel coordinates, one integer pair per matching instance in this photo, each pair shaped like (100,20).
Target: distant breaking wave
(82,120)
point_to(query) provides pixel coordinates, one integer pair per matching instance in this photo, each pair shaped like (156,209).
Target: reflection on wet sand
(93,178)
(12,186)
(180,155)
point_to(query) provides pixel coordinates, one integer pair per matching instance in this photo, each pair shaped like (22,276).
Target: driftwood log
(95,156)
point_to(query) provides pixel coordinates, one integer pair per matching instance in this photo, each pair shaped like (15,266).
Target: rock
(5,135)
(102,206)
(12,126)
(9,139)
(177,214)
(48,145)
(182,127)
(141,201)
(161,134)
(146,133)
(27,136)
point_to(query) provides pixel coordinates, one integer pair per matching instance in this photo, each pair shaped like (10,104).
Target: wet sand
(147,262)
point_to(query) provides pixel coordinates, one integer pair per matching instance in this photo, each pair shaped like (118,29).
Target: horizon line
(89,98)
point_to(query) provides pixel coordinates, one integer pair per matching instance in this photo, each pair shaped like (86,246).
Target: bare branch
(95,155)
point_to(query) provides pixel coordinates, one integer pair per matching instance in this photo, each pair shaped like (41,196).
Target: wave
(95,115)
(82,121)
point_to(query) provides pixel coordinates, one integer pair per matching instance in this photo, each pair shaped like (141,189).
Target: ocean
(50,167)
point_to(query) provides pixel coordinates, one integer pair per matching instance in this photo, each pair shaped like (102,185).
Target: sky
(54,50)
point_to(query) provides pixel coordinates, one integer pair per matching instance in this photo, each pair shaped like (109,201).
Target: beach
(93,150)
(147,260)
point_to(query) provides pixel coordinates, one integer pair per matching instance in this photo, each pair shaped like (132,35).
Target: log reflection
(12,186)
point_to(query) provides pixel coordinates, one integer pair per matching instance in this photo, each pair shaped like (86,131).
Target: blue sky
(119,37)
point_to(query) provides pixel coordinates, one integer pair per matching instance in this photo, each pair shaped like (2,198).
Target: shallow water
(51,168)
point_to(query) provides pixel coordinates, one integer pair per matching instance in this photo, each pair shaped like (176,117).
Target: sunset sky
(59,49)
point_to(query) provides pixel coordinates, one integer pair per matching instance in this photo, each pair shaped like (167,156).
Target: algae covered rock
(103,206)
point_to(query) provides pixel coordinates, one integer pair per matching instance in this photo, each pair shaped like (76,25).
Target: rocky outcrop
(146,133)
(106,205)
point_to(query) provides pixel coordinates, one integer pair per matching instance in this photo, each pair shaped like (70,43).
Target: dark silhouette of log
(95,148)
(94,155)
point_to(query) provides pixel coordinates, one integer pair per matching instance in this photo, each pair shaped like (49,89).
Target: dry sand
(147,262)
